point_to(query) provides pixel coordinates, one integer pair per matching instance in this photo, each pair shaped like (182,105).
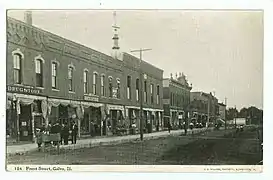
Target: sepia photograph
(134,87)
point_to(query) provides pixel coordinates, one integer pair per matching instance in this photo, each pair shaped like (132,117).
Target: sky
(219,51)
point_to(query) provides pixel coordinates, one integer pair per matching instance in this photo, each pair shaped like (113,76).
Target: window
(128,87)
(157,94)
(102,88)
(85,81)
(145,91)
(39,72)
(110,87)
(137,89)
(118,88)
(171,99)
(70,78)
(54,75)
(95,76)
(152,93)
(17,68)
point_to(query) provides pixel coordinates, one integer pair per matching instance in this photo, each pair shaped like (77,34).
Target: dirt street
(217,147)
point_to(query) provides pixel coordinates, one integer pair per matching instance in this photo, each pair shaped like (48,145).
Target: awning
(88,104)
(132,107)
(115,107)
(150,109)
(221,120)
(24,96)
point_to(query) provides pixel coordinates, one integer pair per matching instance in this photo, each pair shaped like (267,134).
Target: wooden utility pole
(141,89)
(235,117)
(208,111)
(226,113)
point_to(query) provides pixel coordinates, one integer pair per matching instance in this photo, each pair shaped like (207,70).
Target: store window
(110,87)
(95,77)
(54,75)
(118,88)
(137,89)
(85,81)
(39,72)
(17,68)
(70,78)
(102,88)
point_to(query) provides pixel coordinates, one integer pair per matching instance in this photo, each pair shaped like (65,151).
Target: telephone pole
(208,111)
(225,113)
(141,89)
(235,117)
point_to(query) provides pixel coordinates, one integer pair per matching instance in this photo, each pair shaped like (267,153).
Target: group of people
(64,130)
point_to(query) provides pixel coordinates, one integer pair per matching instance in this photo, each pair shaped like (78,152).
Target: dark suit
(74,129)
(55,130)
(65,134)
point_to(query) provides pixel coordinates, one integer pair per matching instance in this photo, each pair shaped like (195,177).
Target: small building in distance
(203,105)
(176,99)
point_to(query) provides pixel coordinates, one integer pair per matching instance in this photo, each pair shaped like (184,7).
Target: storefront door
(25,125)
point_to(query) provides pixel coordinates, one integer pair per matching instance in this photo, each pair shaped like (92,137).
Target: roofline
(143,61)
(63,38)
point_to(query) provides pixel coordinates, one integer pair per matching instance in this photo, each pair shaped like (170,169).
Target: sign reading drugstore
(24,90)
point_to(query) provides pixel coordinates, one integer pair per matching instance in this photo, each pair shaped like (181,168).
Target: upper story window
(145,91)
(171,98)
(70,78)
(110,87)
(95,79)
(17,68)
(128,87)
(54,75)
(137,89)
(39,72)
(102,88)
(152,93)
(157,94)
(85,81)
(118,88)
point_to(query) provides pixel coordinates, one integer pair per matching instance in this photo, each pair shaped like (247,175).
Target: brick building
(202,106)
(222,111)
(51,79)
(176,99)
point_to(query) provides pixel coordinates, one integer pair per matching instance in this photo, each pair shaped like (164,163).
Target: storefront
(115,119)
(133,116)
(92,118)
(153,119)
(174,117)
(64,112)
(26,112)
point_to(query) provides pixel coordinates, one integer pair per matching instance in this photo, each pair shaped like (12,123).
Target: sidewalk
(92,142)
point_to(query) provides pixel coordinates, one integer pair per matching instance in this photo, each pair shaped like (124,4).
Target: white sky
(219,51)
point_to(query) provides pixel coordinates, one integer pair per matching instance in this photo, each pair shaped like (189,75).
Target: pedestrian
(169,127)
(65,133)
(74,130)
(92,129)
(185,128)
(56,129)
(62,134)
(191,125)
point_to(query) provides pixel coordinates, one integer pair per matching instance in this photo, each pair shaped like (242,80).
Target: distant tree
(253,114)
(232,113)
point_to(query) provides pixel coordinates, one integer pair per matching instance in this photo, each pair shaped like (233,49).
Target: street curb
(102,142)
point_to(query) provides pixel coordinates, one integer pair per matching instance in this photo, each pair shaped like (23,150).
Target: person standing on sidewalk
(56,129)
(169,127)
(66,133)
(62,134)
(74,132)
(185,126)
